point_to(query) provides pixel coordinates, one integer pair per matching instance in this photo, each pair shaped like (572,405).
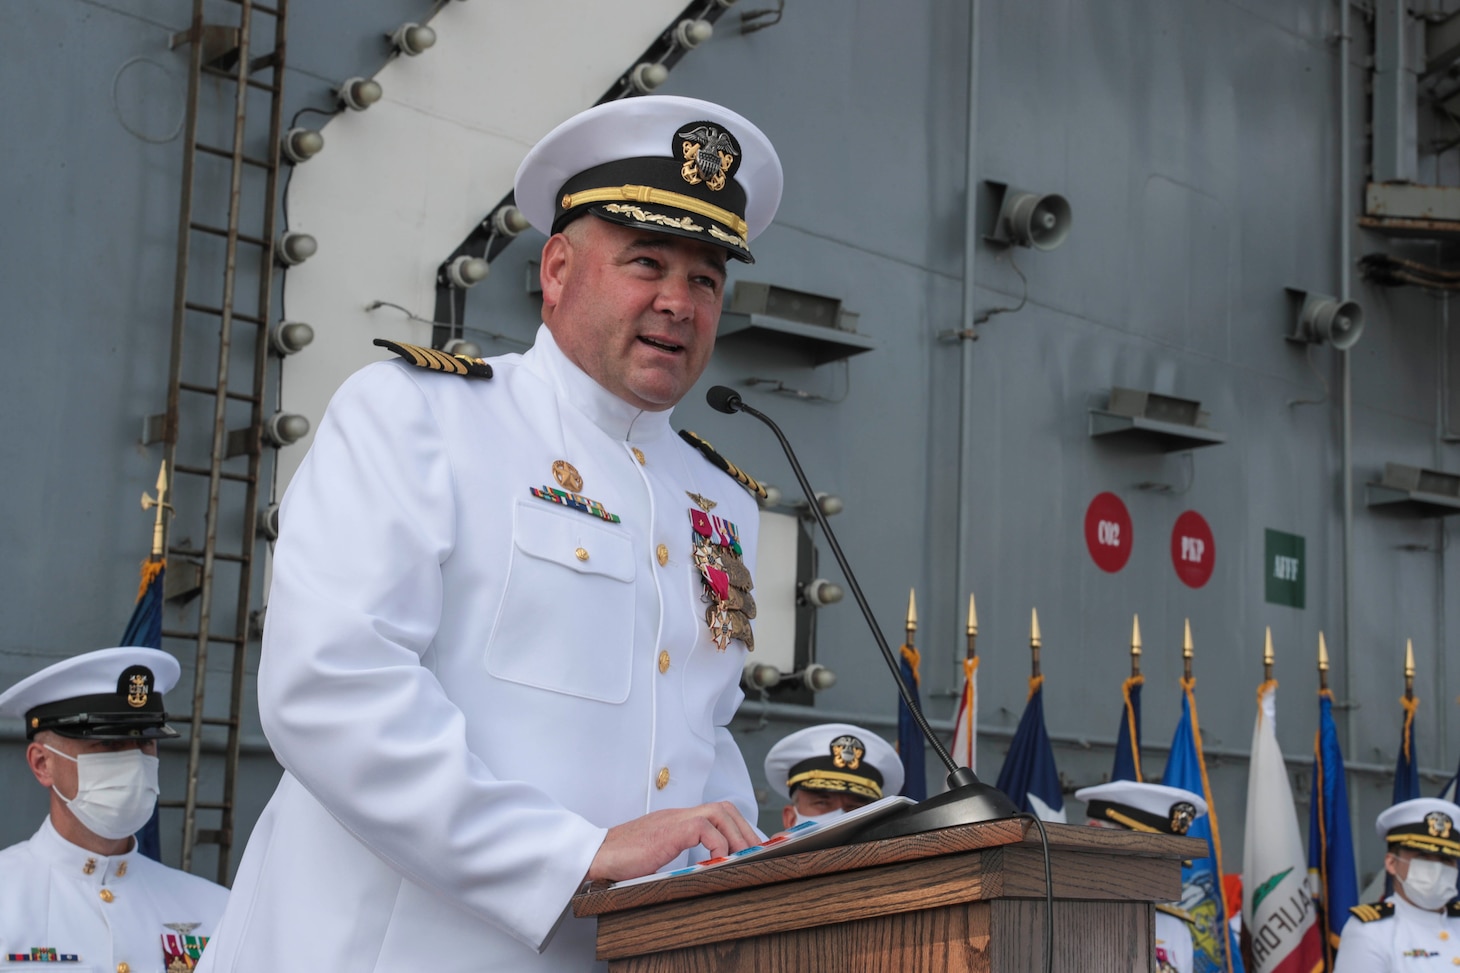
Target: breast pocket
(566,623)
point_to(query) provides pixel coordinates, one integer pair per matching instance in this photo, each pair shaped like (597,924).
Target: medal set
(718,556)
(181,953)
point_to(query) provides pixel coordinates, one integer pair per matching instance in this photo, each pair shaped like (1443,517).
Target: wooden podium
(964,898)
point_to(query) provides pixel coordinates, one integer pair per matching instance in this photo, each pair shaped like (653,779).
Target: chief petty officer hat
(836,757)
(1425,824)
(109,694)
(1152,808)
(673,165)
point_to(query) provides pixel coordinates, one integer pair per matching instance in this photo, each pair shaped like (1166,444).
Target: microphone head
(722,398)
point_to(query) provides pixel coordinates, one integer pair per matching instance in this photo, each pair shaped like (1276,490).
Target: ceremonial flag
(1406,768)
(909,737)
(1201,879)
(1277,908)
(965,720)
(1029,776)
(1128,739)
(1330,837)
(144,628)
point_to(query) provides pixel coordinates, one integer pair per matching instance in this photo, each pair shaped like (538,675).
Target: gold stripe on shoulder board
(724,465)
(437,361)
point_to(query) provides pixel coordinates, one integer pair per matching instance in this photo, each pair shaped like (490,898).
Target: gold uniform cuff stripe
(661,197)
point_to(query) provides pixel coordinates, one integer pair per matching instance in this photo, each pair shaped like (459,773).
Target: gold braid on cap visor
(1426,843)
(662,197)
(852,782)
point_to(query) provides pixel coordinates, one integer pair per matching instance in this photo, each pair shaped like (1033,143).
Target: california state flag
(1276,906)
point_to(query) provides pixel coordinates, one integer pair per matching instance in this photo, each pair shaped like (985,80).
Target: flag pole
(912,615)
(1187,650)
(1267,657)
(971,633)
(1135,646)
(1034,643)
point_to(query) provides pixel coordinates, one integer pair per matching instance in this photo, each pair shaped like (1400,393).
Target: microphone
(968,799)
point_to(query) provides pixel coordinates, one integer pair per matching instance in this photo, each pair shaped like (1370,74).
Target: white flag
(965,720)
(1276,906)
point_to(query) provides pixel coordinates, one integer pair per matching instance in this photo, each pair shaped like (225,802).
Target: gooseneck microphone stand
(968,799)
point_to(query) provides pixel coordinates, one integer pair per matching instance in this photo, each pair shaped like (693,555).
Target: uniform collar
(617,418)
(1413,913)
(77,862)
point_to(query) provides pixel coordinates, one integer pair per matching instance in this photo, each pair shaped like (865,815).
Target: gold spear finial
(971,649)
(161,504)
(1267,657)
(912,610)
(1322,661)
(1187,650)
(1135,645)
(1034,640)
(1409,668)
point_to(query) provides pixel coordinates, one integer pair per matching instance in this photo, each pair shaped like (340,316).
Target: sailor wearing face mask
(831,769)
(1418,927)
(77,892)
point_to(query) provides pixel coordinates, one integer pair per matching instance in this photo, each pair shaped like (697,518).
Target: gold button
(663,667)
(123,968)
(662,781)
(581,554)
(638,454)
(1443,936)
(662,553)
(106,895)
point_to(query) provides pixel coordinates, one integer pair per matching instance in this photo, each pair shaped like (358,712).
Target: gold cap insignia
(1439,824)
(137,691)
(846,752)
(710,155)
(1182,814)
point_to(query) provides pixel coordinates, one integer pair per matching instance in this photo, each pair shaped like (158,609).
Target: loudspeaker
(1323,318)
(1030,219)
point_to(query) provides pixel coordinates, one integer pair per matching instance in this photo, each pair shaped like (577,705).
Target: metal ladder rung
(193,637)
(217,555)
(217,312)
(227,154)
(204,471)
(210,390)
(270,86)
(259,7)
(223,232)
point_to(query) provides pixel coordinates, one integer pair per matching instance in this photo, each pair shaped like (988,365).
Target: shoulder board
(1181,914)
(438,361)
(724,465)
(1372,912)
(1453,909)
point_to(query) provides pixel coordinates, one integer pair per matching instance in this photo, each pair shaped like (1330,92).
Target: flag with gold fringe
(1029,776)
(965,718)
(1202,893)
(144,628)
(909,737)
(1128,736)
(1330,835)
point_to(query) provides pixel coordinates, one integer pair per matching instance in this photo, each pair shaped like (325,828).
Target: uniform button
(662,781)
(663,666)
(662,553)
(123,968)
(581,554)
(121,869)
(106,895)
(638,454)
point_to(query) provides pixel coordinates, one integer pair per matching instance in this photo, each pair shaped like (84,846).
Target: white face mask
(820,818)
(1430,884)
(115,791)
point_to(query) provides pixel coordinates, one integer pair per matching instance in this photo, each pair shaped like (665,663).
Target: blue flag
(145,629)
(1029,776)
(1128,739)
(1406,768)
(1201,879)
(1330,839)
(909,737)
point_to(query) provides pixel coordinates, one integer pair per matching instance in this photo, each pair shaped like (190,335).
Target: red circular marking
(1193,550)
(1108,532)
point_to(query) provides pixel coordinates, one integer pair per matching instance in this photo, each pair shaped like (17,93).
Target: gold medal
(567,476)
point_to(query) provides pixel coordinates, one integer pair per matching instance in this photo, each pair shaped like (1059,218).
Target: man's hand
(646,844)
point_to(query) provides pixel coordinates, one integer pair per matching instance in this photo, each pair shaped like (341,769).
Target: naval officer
(1418,927)
(1153,809)
(510,605)
(827,770)
(78,893)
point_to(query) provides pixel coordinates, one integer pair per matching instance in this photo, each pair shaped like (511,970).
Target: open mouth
(661,345)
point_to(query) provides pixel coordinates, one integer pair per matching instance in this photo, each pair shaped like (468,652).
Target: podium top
(1063,839)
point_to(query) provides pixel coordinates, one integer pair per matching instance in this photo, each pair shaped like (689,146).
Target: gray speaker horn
(1325,319)
(1033,220)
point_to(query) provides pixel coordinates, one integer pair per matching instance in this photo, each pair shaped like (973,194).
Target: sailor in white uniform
(1153,809)
(510,605)
(78,893)
(830,769)
(1418,927)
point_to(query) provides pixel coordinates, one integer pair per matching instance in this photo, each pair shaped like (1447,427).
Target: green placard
(1283,568)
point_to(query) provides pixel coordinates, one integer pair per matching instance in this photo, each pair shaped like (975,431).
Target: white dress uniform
(1400,937)
(466,684)
(89,913)
(1173,943)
